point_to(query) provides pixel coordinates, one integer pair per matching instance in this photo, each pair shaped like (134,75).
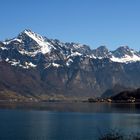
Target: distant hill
(128,94)
(114,91)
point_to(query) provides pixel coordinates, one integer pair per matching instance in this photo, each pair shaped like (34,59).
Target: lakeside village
(110,100)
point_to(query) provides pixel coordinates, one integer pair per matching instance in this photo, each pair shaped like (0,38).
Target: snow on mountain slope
(12,40)
(42,46)
(45,47)
(124,54)
(126,59)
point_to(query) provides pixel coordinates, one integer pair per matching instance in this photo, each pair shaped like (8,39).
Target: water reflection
(61,121)
(76,107)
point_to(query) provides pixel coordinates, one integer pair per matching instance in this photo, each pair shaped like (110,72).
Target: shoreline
(70,101)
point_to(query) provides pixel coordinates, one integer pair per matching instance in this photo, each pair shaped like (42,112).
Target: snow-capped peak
(38,38)
(36,42)
(101,52)
(124,54)
(122,51)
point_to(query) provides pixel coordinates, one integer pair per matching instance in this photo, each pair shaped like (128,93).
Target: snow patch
(12,40)
(76,54)
(3,48)
(126,59)
(30,64)
(14,62)
(7,59)
(56,65)
(69,62)
(48,66)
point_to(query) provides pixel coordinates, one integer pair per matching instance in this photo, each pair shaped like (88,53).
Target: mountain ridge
(71,69)
(123,54)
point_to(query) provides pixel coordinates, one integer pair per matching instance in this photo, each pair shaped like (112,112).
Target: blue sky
(92,22)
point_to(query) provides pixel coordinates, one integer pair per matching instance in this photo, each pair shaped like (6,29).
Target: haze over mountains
(31,64)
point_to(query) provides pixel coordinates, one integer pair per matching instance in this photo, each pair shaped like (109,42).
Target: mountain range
(31,64)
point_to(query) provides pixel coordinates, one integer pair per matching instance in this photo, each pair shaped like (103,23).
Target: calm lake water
(66,121)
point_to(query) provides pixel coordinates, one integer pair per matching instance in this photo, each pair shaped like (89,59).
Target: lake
(66,121)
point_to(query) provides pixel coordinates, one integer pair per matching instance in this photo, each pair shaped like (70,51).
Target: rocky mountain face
(35,65)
